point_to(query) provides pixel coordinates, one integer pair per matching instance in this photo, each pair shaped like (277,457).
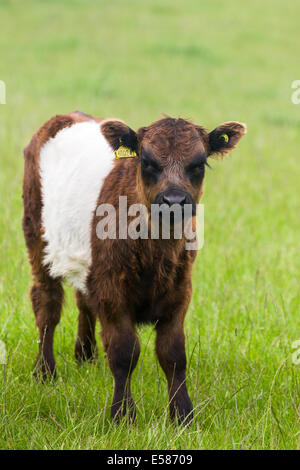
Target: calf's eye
(145,164)
(197,168)
(196,173)
(150,165)
(150,170)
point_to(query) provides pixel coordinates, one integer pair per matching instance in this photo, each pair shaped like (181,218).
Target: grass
(212,63)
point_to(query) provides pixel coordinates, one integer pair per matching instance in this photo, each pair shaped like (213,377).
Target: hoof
(182,413)
(126,408)
(85,351)
(185,419)
(44,370)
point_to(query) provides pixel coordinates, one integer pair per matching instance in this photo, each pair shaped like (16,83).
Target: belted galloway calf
(71,169)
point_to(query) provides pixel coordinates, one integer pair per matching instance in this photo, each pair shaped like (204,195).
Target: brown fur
(130,281)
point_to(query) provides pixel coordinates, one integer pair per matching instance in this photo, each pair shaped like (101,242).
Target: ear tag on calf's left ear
(224,137)
(125,152)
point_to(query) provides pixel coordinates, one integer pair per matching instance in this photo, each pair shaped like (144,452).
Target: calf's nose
(174,196)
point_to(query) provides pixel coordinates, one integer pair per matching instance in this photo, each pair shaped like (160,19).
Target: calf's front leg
(170,349)
(123,350)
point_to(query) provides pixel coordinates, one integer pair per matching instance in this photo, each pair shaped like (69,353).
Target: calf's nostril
(171,199)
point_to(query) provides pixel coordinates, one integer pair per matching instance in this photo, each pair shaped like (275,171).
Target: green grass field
(210,62)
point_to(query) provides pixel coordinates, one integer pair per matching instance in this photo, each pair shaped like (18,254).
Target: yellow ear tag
(125,152)
(225,137)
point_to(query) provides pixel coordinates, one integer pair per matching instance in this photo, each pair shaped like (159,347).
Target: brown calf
(70,169)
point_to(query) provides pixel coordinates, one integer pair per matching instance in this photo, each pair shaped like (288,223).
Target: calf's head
(172,155)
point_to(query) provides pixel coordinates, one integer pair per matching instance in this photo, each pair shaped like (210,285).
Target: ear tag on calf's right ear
(125,152)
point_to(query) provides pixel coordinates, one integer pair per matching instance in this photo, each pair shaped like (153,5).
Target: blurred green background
(208,61)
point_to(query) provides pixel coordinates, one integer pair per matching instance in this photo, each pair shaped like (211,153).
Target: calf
(71,169)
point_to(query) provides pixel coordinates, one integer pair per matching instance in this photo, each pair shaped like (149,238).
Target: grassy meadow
(211,62)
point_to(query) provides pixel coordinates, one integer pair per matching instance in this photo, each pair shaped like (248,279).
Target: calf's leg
(47,298)
(170,349)
(123,350)
(85,347)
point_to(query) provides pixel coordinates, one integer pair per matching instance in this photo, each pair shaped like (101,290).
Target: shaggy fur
(73,167)
(69,170)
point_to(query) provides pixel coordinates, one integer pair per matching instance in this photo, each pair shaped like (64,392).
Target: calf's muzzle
(175,196)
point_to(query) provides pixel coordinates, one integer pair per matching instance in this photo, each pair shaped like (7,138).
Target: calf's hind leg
(46,298)
(85,347)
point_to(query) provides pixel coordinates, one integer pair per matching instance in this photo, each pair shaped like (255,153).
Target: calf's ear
(117,133)
(225,137)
